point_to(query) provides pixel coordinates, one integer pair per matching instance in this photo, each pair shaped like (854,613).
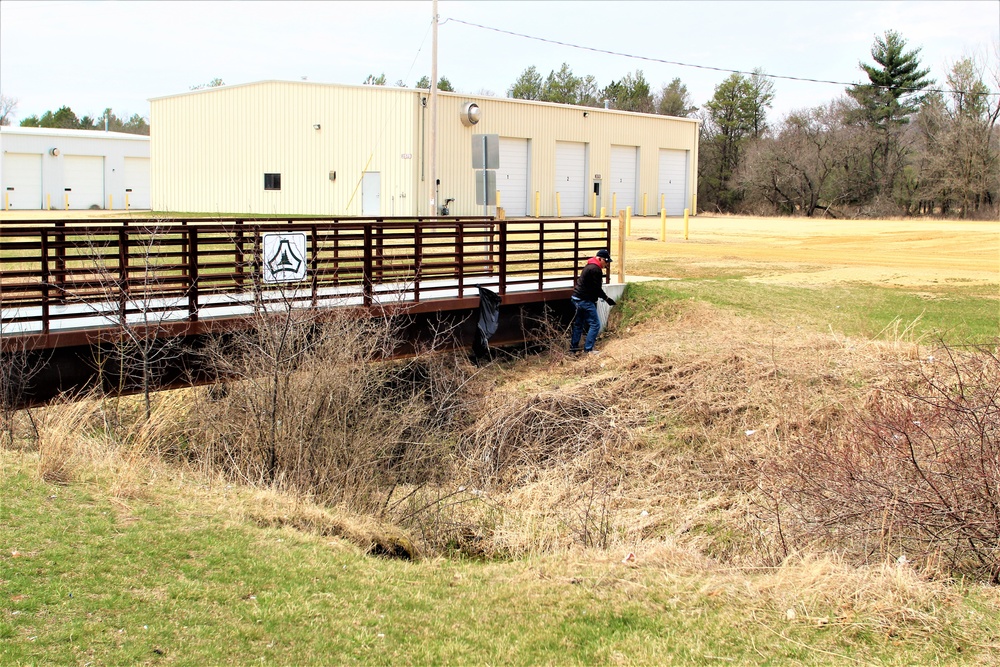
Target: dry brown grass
(662,438)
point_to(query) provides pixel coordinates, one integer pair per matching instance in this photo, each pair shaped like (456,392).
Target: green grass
(957,315)
(167,580)
(176,578)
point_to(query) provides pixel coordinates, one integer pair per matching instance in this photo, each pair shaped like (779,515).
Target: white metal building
(45,168)
(304,148)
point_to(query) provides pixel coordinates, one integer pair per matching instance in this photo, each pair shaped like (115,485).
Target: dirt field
(904,253)
(798,251)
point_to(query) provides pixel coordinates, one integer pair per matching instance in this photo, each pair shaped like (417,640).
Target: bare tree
(7,107)
(960,160)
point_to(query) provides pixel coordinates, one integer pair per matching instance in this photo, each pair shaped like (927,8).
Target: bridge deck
(71,282)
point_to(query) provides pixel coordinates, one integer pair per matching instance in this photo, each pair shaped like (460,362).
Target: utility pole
(434,79)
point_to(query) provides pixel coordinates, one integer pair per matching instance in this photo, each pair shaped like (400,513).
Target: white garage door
(137,181)
(83,176)
(22,181)
(673,181)
(571,176)
(624,161)
(512,176)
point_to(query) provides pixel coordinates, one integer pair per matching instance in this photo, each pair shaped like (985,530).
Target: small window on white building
(272,181)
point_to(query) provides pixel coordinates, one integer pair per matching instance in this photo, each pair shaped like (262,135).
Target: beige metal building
(303,148)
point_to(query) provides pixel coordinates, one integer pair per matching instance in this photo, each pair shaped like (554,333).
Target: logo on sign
(284,257)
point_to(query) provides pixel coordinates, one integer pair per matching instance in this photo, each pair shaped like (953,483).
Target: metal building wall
(545,124)
(211,148)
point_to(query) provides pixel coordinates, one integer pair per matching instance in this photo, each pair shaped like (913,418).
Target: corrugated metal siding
(545,124)
(211,148)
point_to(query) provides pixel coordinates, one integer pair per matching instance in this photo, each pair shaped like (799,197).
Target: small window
(272,181)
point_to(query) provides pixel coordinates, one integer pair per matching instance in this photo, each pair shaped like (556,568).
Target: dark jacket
(589,286)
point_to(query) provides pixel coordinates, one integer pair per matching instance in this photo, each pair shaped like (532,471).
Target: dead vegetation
(739,442)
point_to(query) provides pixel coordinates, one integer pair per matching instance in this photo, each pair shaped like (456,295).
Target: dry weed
(822,590)
(62,430)
(517,435)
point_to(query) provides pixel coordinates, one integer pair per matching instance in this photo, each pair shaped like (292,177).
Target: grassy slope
(179,578)
(180,573)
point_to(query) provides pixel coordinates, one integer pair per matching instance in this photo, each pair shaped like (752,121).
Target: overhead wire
(706,67)
(382,134)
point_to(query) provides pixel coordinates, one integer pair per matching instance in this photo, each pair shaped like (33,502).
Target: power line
(707,67)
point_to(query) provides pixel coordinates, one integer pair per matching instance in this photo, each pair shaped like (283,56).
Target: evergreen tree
(674,100)
(631,93)
(884,106)
(528,86)
(895,81)
(562,86)
(443,84)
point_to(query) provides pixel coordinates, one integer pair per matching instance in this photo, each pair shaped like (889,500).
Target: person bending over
(589,288)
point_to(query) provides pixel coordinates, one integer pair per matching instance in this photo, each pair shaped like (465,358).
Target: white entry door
(137,182)
(371,193)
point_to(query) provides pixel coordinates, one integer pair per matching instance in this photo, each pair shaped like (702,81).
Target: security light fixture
(54,152)
(470,114)
(585,114)
(317,126)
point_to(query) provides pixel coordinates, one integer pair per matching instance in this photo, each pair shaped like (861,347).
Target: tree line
(65,118)
(892,145)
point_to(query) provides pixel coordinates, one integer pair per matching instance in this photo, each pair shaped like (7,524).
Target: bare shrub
(916,473)
(18,372)
(312,405)
(519,434)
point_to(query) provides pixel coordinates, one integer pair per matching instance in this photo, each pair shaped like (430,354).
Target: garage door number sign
(284,258)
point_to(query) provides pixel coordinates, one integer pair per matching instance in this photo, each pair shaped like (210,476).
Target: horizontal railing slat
(53,275)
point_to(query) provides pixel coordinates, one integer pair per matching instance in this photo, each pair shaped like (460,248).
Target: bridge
(70,288)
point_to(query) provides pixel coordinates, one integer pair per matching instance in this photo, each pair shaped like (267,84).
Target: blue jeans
(586,318)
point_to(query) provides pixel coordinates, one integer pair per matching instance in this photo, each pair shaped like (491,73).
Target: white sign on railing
(284,258)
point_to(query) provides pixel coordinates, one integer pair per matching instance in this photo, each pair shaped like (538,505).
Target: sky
(91,55)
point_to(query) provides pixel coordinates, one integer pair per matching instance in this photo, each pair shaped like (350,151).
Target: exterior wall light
(471,114)
(54,152)
(317,126)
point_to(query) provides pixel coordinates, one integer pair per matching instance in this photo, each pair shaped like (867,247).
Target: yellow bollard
(67,201)
(604,212)
(663,201)
(48,202)
(663,225)
(6,201)
(498,199)
(558,205)
(538,203)
(644,204)
(614,203)
(628,221)
(686,211)
(126,201)
(111,202)
(593,204)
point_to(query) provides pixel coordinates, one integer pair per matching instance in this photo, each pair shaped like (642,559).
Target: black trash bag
(489,320)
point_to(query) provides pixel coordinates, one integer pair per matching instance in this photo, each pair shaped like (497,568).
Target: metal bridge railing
(72,275)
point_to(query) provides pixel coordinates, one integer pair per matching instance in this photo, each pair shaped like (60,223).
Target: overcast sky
(91,55)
